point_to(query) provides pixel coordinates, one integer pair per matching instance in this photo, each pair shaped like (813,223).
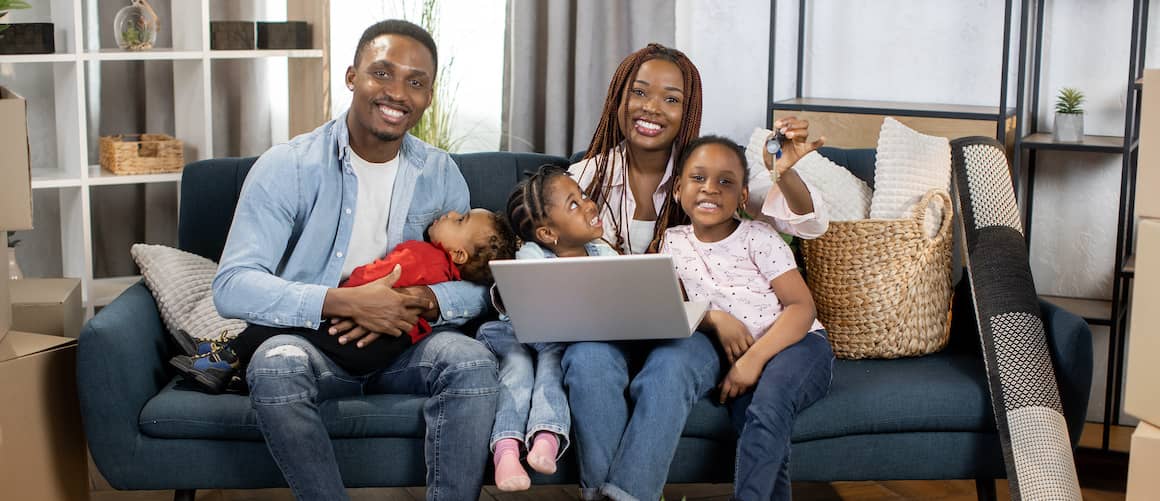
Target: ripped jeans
(289,380)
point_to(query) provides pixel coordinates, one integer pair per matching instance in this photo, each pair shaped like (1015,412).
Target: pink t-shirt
(734,273)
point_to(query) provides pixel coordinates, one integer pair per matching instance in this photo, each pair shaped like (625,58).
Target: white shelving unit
(72,172)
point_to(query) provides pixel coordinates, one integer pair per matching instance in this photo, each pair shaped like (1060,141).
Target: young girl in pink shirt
(760,311)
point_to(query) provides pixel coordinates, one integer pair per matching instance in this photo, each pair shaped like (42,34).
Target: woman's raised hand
(795,145)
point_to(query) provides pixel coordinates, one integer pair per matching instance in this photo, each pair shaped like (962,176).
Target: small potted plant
(1069,116)
(136,26)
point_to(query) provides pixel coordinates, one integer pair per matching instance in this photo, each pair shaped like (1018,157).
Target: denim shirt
(532,250)
(293,223)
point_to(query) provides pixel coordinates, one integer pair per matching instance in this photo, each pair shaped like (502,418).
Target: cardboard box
(42,444)
(1143,463)
(15,170)
(50,306)
(1142,386)
(1148,166)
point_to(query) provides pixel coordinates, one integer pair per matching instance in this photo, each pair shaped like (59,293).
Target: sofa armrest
(121,357)
(1070,341)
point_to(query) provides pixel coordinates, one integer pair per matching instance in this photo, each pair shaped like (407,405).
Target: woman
(653,109)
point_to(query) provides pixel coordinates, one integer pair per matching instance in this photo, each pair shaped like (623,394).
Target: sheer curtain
(560,56)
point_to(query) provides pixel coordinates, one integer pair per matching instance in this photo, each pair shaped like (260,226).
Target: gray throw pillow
(182,284)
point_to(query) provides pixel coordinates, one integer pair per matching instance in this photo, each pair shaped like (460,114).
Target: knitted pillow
(908,165)
(847,198)
(181,283)
(1020,373)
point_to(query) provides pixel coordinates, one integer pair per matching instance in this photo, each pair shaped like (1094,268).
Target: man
(311,211)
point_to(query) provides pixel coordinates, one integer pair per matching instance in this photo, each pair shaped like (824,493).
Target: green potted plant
(1069,116)
(7,5)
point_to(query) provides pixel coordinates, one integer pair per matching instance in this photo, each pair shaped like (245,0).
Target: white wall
(470,38)
(906,50)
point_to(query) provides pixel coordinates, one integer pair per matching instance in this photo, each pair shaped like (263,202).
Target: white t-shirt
(734,274)
(368,238)
(640,234)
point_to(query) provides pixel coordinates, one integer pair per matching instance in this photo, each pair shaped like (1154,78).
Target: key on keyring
(773,145)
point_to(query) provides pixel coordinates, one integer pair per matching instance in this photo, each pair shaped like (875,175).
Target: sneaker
(205,346)
(213,370)
(192,346)
(186,343)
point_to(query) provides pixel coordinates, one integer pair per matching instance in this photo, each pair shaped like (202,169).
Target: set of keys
(773,144)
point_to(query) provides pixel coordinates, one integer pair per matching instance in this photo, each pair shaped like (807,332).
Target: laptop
(599,298)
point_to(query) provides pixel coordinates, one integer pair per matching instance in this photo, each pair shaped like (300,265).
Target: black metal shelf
(1093,311)
(998,114)
(1111,313)
(1097,144)
(893,108)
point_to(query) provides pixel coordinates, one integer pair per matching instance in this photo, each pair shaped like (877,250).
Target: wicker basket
(881,286)
(141,154)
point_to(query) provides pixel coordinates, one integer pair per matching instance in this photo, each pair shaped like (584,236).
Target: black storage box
(27,38)
(231,35)
(284,35)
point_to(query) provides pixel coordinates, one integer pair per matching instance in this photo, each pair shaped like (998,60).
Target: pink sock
(509,474)
(545,448)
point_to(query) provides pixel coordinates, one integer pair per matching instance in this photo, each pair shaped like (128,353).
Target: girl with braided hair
(553,218)
(653,109)
(628,424)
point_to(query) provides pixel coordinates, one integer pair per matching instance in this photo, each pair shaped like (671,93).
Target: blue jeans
(289,378)
(627,429)
(792,380)
(531,392)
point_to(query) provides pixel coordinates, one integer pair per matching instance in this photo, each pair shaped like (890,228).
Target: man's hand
(795,146)
(368,311)
(740,379)
(733,335)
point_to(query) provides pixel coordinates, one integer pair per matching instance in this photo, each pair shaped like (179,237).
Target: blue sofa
(915,418)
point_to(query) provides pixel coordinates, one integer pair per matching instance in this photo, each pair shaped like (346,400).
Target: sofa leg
(184,494)
(985,489)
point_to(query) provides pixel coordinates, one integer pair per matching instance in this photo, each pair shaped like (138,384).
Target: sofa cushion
(491,176)
(866,397)
(182,284)
(181,412)
(209,194)
(881,396)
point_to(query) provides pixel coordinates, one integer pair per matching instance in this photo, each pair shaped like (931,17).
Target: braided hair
(527,204)
(609,135)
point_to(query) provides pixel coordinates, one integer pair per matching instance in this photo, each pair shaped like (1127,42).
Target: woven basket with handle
(882,287)
(141,154)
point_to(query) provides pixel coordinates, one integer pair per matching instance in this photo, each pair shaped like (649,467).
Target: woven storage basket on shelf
(881,286)
(141,154)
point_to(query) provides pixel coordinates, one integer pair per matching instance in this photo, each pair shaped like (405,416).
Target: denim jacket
(293,222)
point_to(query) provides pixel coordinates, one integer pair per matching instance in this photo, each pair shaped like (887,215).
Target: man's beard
(386,137)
